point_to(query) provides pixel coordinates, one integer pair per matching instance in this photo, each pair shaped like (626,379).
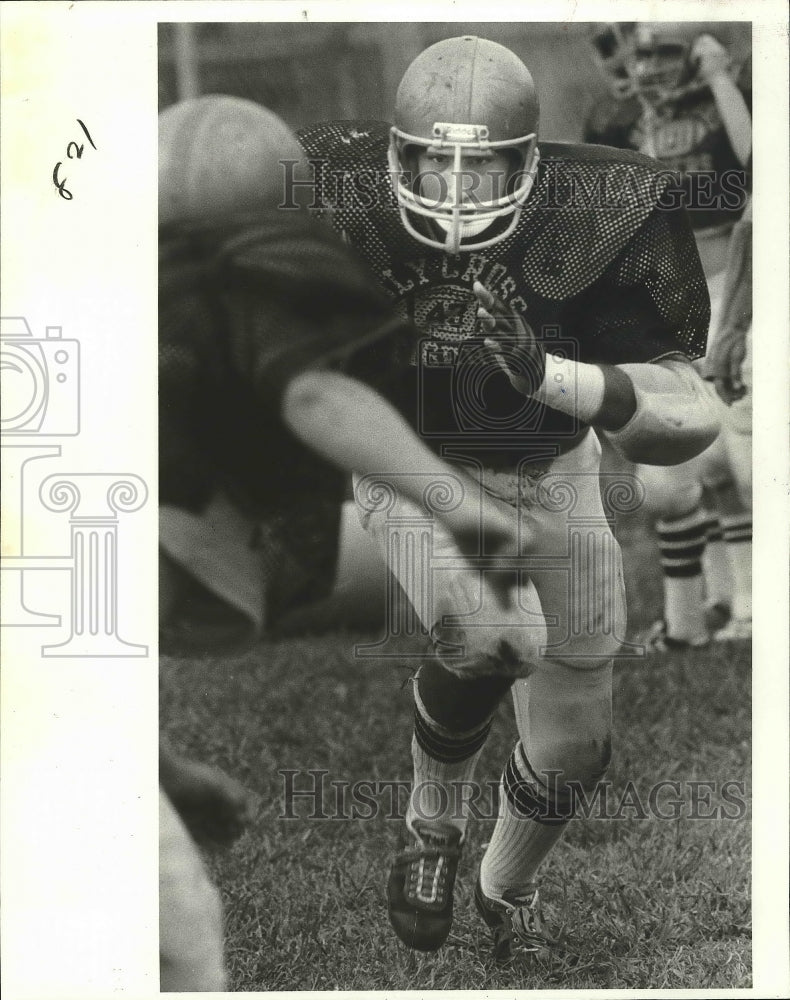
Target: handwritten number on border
(73,151)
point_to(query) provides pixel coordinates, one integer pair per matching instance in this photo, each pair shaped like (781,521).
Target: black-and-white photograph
(454,366)
(394,590)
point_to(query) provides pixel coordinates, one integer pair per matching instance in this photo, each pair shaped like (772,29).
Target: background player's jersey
(595,264)
(687,137)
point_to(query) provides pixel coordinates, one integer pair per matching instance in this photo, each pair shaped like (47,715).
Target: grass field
(643,902)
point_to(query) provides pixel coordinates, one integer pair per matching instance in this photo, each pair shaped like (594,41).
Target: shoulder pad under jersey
(588,204)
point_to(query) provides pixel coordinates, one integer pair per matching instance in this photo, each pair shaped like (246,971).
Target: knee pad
(582,762)
(564,718)
(458,704)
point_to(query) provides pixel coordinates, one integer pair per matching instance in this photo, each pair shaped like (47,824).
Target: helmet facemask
(460,212)
(650,61)
(612,45)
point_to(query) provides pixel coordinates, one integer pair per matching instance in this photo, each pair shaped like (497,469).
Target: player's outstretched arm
(726,356)
(656,413)
(713,66)
(352,426)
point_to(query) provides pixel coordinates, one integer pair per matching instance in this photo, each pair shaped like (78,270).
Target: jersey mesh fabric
(602,260)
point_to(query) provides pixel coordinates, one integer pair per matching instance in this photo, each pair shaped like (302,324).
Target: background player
(675,98)
(485,251)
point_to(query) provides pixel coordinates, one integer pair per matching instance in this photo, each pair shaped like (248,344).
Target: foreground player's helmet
(461,96)
(220,155)
(650,59)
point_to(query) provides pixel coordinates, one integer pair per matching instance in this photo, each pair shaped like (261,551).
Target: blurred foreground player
(252,302)
(679,97)
(489,248)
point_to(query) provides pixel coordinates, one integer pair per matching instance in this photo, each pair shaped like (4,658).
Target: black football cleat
(420,887)
(515,922)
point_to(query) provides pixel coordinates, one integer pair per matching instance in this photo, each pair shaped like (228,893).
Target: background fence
(313,72)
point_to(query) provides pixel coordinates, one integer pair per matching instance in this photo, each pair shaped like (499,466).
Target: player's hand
(724,364)
(709,57)
(469,523)
(213,806)
(512,341)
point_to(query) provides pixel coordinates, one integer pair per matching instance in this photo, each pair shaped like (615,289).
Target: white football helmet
(460,96)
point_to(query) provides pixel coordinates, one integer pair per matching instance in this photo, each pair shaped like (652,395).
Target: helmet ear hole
(517,165)
(409,155)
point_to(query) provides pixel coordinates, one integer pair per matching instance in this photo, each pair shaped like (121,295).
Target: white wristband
(572,387)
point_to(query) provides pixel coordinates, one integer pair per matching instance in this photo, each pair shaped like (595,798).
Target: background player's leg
(718,575)
(737,435)
(673,495)
(722,482)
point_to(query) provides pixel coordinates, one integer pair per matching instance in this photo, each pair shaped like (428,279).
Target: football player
(540,316)
(256,303)
(676,98)
(257,434)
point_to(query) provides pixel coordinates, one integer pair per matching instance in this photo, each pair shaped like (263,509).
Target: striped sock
(716,564)
(681,543)
(444,766)
(738,539)
(531,821)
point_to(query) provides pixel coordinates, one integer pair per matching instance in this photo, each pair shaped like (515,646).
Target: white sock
(444,766)
(716,565)
(738,539)
(519,843)
(682,542)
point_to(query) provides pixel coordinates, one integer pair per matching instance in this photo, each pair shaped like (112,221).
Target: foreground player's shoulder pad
(589,203)
(306,260)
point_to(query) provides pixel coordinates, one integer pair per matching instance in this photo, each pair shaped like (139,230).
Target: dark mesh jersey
(244,305)
(602,263)
(687,137)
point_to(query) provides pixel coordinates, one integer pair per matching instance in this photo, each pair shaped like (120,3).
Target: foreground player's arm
(713,66)
(656,413)
(352,426)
